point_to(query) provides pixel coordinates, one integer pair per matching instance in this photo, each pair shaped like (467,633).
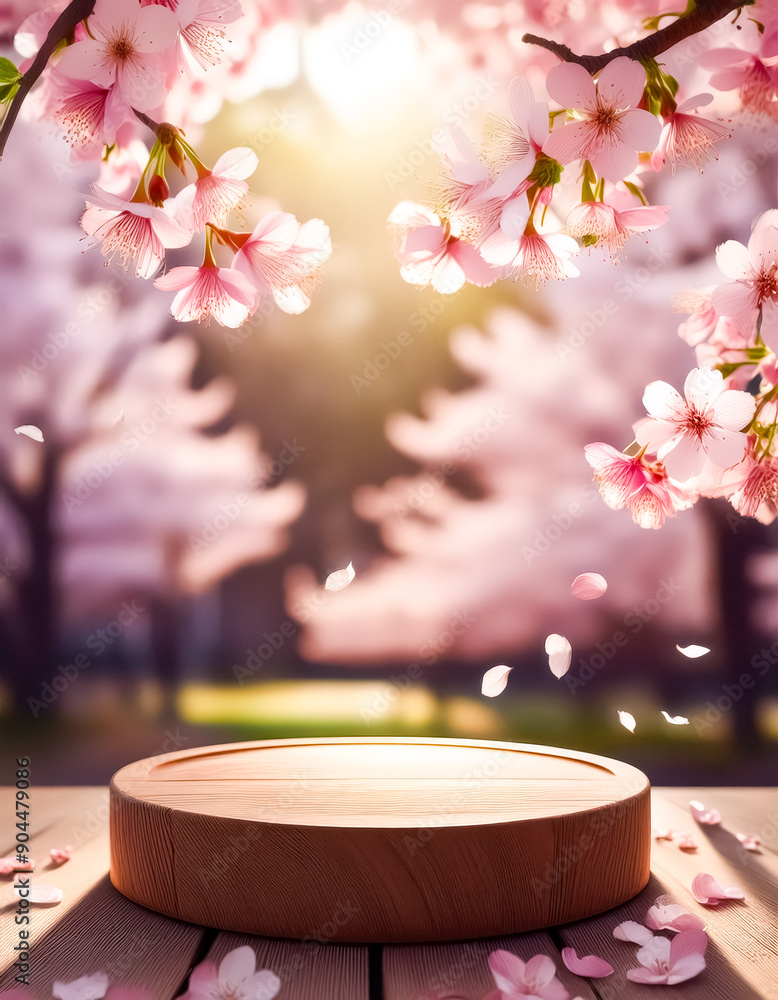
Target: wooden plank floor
(97,929)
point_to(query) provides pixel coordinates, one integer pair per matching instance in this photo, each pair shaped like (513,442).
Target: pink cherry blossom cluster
(113,72)
(718,439)
(497,210)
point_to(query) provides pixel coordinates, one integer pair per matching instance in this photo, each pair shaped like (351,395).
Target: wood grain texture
(94,928)
(742,956)
(308,970)
(401,838)
(435,971)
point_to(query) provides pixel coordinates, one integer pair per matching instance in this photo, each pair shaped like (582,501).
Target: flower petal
(539,971)
(507,970)
(42,893)
(589,965)
(632,931)
(707,890)
(628,721)
(589,586)
(709,817)
(560,654)
(92,987)
(495,680)
(734,260)
(237,966)
(238,163)
(621,83)
(675,720)
(693,651)
(734,409)
(340,579)
(572,86)
(30,431)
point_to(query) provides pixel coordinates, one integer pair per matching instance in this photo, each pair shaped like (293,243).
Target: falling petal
(589,965)
(42,893)
(560,654)
(589,586)
(708,817)
(59,855)
(693,651)
(707,890)
(628,721)
(30,431)
(119,418)
(676,720)
(750,843)
(340,578)
(664,834)
(494,681)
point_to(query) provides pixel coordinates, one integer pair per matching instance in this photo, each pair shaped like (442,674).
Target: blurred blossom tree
(616,151)
(137,493)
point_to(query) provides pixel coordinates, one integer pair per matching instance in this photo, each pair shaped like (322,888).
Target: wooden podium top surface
(380,782)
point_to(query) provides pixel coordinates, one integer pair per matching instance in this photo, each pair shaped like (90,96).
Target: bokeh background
(163,552)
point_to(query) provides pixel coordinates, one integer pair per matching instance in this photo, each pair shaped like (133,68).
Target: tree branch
(76,10)
(706,13)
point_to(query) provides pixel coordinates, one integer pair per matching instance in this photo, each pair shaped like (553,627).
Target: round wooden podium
(379,840)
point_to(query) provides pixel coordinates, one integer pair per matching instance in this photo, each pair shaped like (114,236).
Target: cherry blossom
(124,48)
(236,978)
(531,254)
(630,481)
(59,855)
(754,289)
(222,293)
(201,28)
(282,258)
(465,190)
(757,495)
(715,339)
(133,230)
(610,129)
(707,422)
(594,222)
(688,138)
(671,962)
(216,192)
(736,69)
(432,251)
(513,144)
(515,978)
(90,115)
